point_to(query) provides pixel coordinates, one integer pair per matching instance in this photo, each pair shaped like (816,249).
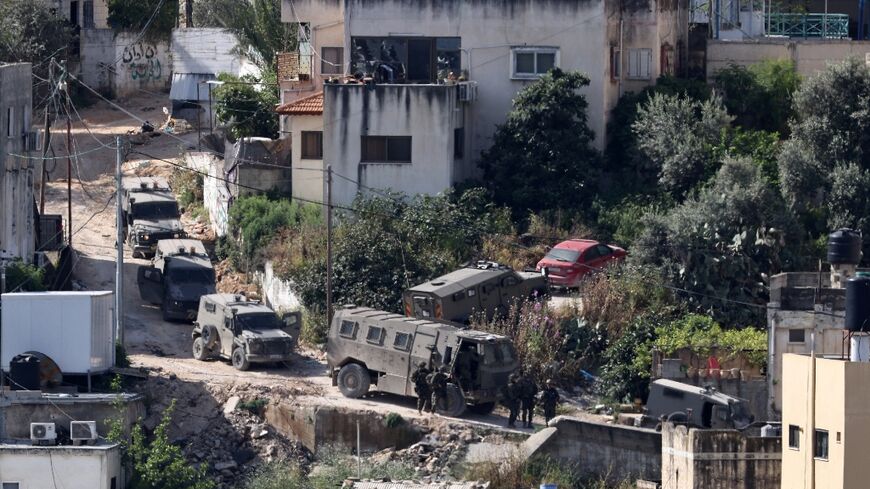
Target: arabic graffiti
(142,62)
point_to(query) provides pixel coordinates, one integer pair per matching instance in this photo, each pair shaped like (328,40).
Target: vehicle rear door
(509,289)
(422,306)
(150,282)
(490,296)
(423,347)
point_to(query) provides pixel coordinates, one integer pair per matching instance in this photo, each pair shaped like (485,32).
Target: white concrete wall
(278,293)
(809,56)
(427,113)
(215,195)
(308,182)
(81,467)
(205,50)
(17,230)
(140,65)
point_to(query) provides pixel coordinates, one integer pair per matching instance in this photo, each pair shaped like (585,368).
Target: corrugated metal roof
(311,105)
(184,86)
(414,485)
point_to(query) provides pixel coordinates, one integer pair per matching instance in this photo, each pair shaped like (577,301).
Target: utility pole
(119,261)
(68,172)
(46,143)
(328,245)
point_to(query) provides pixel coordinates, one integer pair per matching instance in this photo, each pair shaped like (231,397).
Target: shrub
(253,406)
(336,466)
(246,107)
(136,15)
(23,277)
(277,476)
(760,96)
(702,334)
(393,420)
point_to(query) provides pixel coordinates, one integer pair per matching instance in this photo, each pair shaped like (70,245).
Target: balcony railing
(815,25)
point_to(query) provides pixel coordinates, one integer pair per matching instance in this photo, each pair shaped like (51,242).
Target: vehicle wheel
(200,352)
(240,360)
(354,380)
(210,336)
(483,408)
(455,402)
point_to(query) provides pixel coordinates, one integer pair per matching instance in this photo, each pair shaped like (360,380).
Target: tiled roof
(311,105)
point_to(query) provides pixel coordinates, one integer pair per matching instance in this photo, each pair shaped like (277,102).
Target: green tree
(849,202)
(760,96)
(154,18)
(256,23)
(678,134)
(247,105)
(542,156)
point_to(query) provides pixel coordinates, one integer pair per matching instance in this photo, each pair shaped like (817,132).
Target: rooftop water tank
(844,247)
(858,304)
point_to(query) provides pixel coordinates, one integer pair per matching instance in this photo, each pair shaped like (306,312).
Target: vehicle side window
(604,250)
(402,341)
(590,254)
(347,329)
(509,282)
(448,355)
(487,288)
(672,393)
(471,292)
(209,306)
(375,335)
(458,296)
(228,323)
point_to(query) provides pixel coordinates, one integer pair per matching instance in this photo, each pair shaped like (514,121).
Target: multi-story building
(434,78)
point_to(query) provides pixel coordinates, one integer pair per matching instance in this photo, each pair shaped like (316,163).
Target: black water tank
(24,372)
(844,247)
(858,304)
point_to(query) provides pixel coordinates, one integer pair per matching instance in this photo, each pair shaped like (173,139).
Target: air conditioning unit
(467,91)
(42,433)
(32,140)
(82,431)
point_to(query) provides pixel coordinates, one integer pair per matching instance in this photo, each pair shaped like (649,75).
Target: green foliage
(136,15)
(626,364)
(542,156)
(393,420)
(391,242)
(121,358)
(253,406)
(158,464)
(623,221)
(22,277)
(276,475)
(760,97)
(723,243)
(677,135)
(336,466)
(520,472)
(760,146)
(247,105)
(702,334)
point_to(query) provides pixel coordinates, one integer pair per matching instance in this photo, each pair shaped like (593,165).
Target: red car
(569,261)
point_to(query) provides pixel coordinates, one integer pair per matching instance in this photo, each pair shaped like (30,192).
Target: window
(838,437)
(10,122)
(10,485)
(820,444)
(796,335)
(406,59)
(590,254)
(458,296)
(604,250)
(386,149)
(673,393)
(88,14)
(347,329)
(402,341)
(509,282)
(74,13)
(533,62)
(615,63)
(458,142)
(471,292)
(312,145)
(375,335)
(794,437)
(331,61)
(639,60)
(448,355)
(209,306)
(114,483)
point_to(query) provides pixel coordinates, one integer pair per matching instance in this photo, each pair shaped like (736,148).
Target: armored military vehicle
(178,276)
(150,214)
(704,407)
(481,287)
(231,327)
(368,348)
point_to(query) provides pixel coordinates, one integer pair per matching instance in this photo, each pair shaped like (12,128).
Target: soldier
(420,377)
(512,399)
(549,399)
(438,385)
(528,393)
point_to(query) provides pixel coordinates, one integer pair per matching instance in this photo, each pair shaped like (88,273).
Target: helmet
(443,369)
(422,364)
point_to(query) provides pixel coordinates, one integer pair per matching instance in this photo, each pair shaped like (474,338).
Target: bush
(337,466)
(22,277)
(517,473)
(135,15)
(393,420)
(253,406)
(247,108)
(625,373)
(277,476)
(760,96)
(702,334)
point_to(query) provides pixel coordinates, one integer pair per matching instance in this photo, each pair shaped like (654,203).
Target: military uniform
(549,400)
(512,393)
(529,391)
(420,377)
(438,385)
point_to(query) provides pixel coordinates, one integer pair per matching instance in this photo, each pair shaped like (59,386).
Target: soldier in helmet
(438,385)
(511,396)
(549,400)
(420,377)
(528,395)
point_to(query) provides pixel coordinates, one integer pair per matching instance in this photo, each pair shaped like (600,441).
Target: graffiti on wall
(142,62)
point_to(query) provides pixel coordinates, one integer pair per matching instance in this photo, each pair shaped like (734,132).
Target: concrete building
(445,73)
(25,466)
(303,122)
(825,423)
(85,14)
(719,459)
(17,228)
(803,306)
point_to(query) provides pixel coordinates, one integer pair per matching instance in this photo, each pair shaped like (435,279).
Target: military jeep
(484,286)
(704,407)
(368,348)
(150,213)
(231,327)
(180,273)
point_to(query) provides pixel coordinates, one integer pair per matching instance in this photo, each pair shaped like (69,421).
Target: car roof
(577,244)
(155,196)
(694,389)
(459,280)
(144,184)
(172,247)
(238,302)
(351,312)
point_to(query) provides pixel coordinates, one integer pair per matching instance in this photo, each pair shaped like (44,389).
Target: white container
(75,329)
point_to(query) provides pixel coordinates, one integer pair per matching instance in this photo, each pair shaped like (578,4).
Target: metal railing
(811,25)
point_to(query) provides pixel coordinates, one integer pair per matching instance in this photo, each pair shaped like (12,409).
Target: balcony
(811,25)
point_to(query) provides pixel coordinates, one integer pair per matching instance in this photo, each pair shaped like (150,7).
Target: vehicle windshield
(501,353)
(561,254)
(155,210)
(258,321)
(190,283)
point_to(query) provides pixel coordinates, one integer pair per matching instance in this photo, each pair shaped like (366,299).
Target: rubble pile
(231,282)
(436,454)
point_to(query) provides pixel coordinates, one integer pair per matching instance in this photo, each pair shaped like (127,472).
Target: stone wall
(618,452)
(19,409)
(719,459)
(809,56)
(121,64)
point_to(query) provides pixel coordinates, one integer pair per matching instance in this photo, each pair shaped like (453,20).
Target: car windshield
(501,353)
(191,275)
(258,321)
(561,254)
(155,210)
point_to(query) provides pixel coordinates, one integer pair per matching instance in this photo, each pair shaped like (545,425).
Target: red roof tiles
(311,105)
